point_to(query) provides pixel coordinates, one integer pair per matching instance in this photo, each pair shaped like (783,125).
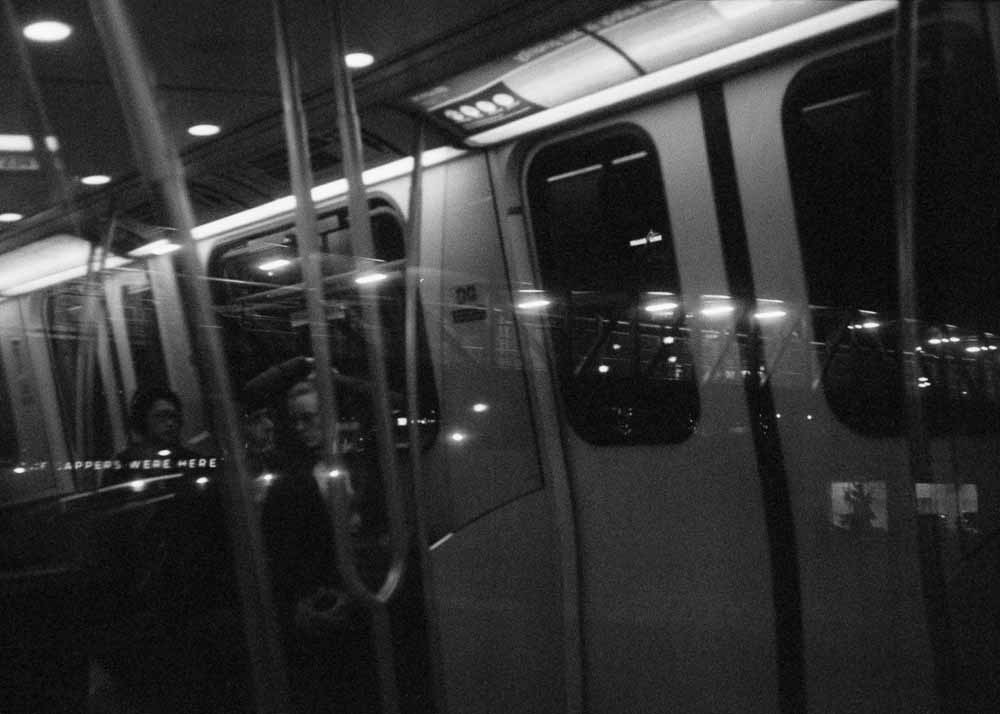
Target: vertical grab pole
(901,497)
(362,244)
(307,231)
(420,493)
(161,164)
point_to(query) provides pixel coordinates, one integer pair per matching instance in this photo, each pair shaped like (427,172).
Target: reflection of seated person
(155,421)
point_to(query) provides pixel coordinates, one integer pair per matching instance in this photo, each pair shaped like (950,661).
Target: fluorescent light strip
(576,172)
(323,192)
(62,276)
(629,157)
(679,73)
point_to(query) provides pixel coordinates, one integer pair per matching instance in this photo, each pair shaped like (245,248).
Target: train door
(502,603)
(684,603)
(892,520)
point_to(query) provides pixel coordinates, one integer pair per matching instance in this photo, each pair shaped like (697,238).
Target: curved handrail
(363,244)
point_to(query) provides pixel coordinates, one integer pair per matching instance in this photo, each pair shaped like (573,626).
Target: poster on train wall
(618,47)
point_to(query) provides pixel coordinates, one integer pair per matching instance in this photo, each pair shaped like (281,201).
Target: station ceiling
(214,63)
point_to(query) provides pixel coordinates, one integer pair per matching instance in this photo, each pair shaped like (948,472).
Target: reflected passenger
(155,449)
(331,665)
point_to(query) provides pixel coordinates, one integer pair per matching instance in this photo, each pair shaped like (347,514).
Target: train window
(75,322)
(143,331)
(257,290)
(837,123)
(610,289)
(8,431)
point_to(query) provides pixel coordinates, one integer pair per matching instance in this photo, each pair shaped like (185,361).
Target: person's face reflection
(303,413)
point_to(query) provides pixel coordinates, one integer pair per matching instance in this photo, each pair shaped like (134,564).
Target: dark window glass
(610,289)
(837,120)
(74,311)
(257,290)
(144,335)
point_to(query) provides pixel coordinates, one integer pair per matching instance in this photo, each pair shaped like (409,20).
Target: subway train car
(666,380)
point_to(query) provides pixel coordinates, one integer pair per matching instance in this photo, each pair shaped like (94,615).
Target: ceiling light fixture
(95,180)
(204,130)
(358,60)
(10,217)
(47,31)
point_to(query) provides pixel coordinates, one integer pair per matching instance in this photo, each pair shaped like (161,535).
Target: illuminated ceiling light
(202,480)
(603,369)
(402,421)
(23,143)
(10,217)
(869,324)
(672,359)
(274,264)
(668,340)
(934,341)
(974,349)
(204,130)
(717,310)
(954,339)
(16,142)
(533,304)
(369,278)
(20,470)
(770,314)
(163,452)
(47,31)
(663,306)
(358,60)
(458,437)
(479,407)
(95,180)
(157,247)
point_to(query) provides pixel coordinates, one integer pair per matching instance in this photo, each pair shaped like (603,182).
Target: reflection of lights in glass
(778,415)
(202,480)
(603,369)
(47,31)
(934,341)
(138,486)
(668,340)
(651,237)
(10,217)
(672,359)
(274,264)
(369,278)
(770,314)
(204,130)
(163,452)
(358,60)
(923,382)
(616,347)
(20,470)
(717,310)
(533,304)
(458,437)
(402,421)
(954,339)
(866,325)
(266,478)
(992,348)
(974,349)
(335,474)
(157,247)
(479,407)
(809,417)
(662,306)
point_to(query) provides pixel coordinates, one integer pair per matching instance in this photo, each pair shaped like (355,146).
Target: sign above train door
(627,53)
